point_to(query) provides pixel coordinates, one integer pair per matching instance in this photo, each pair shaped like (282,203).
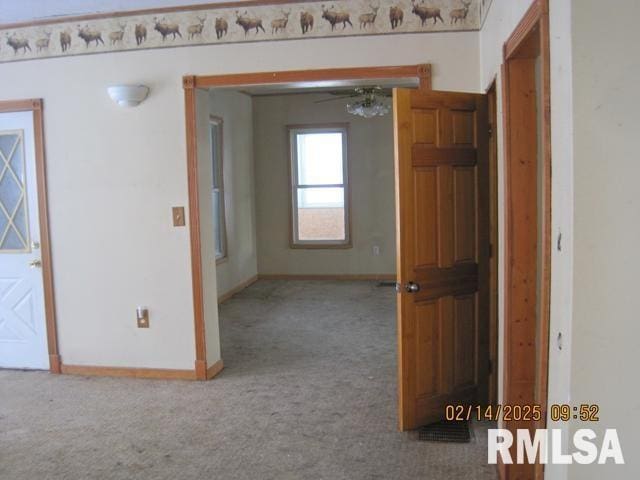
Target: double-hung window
(219,232)
(319,186)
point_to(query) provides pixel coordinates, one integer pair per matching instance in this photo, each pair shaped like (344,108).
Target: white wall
(241,263)
(370,159)
(606,323)
(115,173)
(502,19)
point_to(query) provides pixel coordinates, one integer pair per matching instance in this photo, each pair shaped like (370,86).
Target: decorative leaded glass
(14,231)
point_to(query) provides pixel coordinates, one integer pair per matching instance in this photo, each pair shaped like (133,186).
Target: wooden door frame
(35,105)
(422,73)
(529,39)
(494,297)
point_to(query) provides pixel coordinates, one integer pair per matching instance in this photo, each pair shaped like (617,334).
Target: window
(219,233)
(319,186)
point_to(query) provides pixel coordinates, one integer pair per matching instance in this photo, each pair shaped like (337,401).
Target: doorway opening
(439,141)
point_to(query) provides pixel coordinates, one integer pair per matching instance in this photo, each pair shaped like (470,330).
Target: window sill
(320,246)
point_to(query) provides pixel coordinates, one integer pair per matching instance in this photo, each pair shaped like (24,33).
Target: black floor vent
(457,432)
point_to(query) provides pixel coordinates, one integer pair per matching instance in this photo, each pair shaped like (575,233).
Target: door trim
(35,105)
(529,39)
(190,83)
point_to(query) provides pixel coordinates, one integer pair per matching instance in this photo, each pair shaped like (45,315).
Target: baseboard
(226,296)
(365,276)
(157,373)
(54,363)
(214,369)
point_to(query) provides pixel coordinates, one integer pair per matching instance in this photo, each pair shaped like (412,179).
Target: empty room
(291,239)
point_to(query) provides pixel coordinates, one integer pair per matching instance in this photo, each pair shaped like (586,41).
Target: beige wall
(115,173)
(371,183)
(606,323)
(502,19)
(239,193)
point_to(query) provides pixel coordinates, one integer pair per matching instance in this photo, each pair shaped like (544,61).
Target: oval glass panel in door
(14,230)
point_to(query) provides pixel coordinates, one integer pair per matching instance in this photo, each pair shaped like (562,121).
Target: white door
(23,336)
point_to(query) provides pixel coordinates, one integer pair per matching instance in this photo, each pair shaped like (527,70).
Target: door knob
(35,263)
(412,287)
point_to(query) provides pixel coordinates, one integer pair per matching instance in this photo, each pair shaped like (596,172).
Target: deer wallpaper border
(235,24)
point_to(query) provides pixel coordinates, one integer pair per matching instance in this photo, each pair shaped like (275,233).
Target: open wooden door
(442,201)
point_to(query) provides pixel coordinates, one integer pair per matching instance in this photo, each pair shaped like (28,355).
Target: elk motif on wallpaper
(306,22)
(249,23)
(117,35)
(369,18)
(165,28)
(90,35)
(425,12)
(195,29)
(140,33)
(460,13)
(209,25)
(18,43)
(280,24)
(396,15)
(334,17)
(221,27)
(42,43)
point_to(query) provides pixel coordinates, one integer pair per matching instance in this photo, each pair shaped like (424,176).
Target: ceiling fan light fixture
(368,108)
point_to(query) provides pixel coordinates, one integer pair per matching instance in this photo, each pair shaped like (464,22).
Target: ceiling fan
(367,101)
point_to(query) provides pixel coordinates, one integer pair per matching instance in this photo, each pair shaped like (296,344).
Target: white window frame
(217,123)
(292,132)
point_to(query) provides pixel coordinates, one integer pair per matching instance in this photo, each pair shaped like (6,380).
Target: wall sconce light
(128,95)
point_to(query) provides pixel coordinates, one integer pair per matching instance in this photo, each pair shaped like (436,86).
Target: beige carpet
(308,392)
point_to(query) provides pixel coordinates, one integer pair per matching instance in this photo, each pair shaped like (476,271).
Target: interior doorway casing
(492,108)
(527,311)
(333,76)
(35,105)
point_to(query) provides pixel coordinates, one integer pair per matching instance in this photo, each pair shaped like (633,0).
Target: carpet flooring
(308,392)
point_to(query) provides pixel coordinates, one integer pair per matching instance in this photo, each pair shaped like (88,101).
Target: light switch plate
(178,216)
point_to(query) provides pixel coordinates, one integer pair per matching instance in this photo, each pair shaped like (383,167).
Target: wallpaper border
(232,23)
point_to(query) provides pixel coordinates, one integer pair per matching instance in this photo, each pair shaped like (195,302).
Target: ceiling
(13,11)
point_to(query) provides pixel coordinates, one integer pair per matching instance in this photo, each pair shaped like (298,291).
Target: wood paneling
(440,225)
